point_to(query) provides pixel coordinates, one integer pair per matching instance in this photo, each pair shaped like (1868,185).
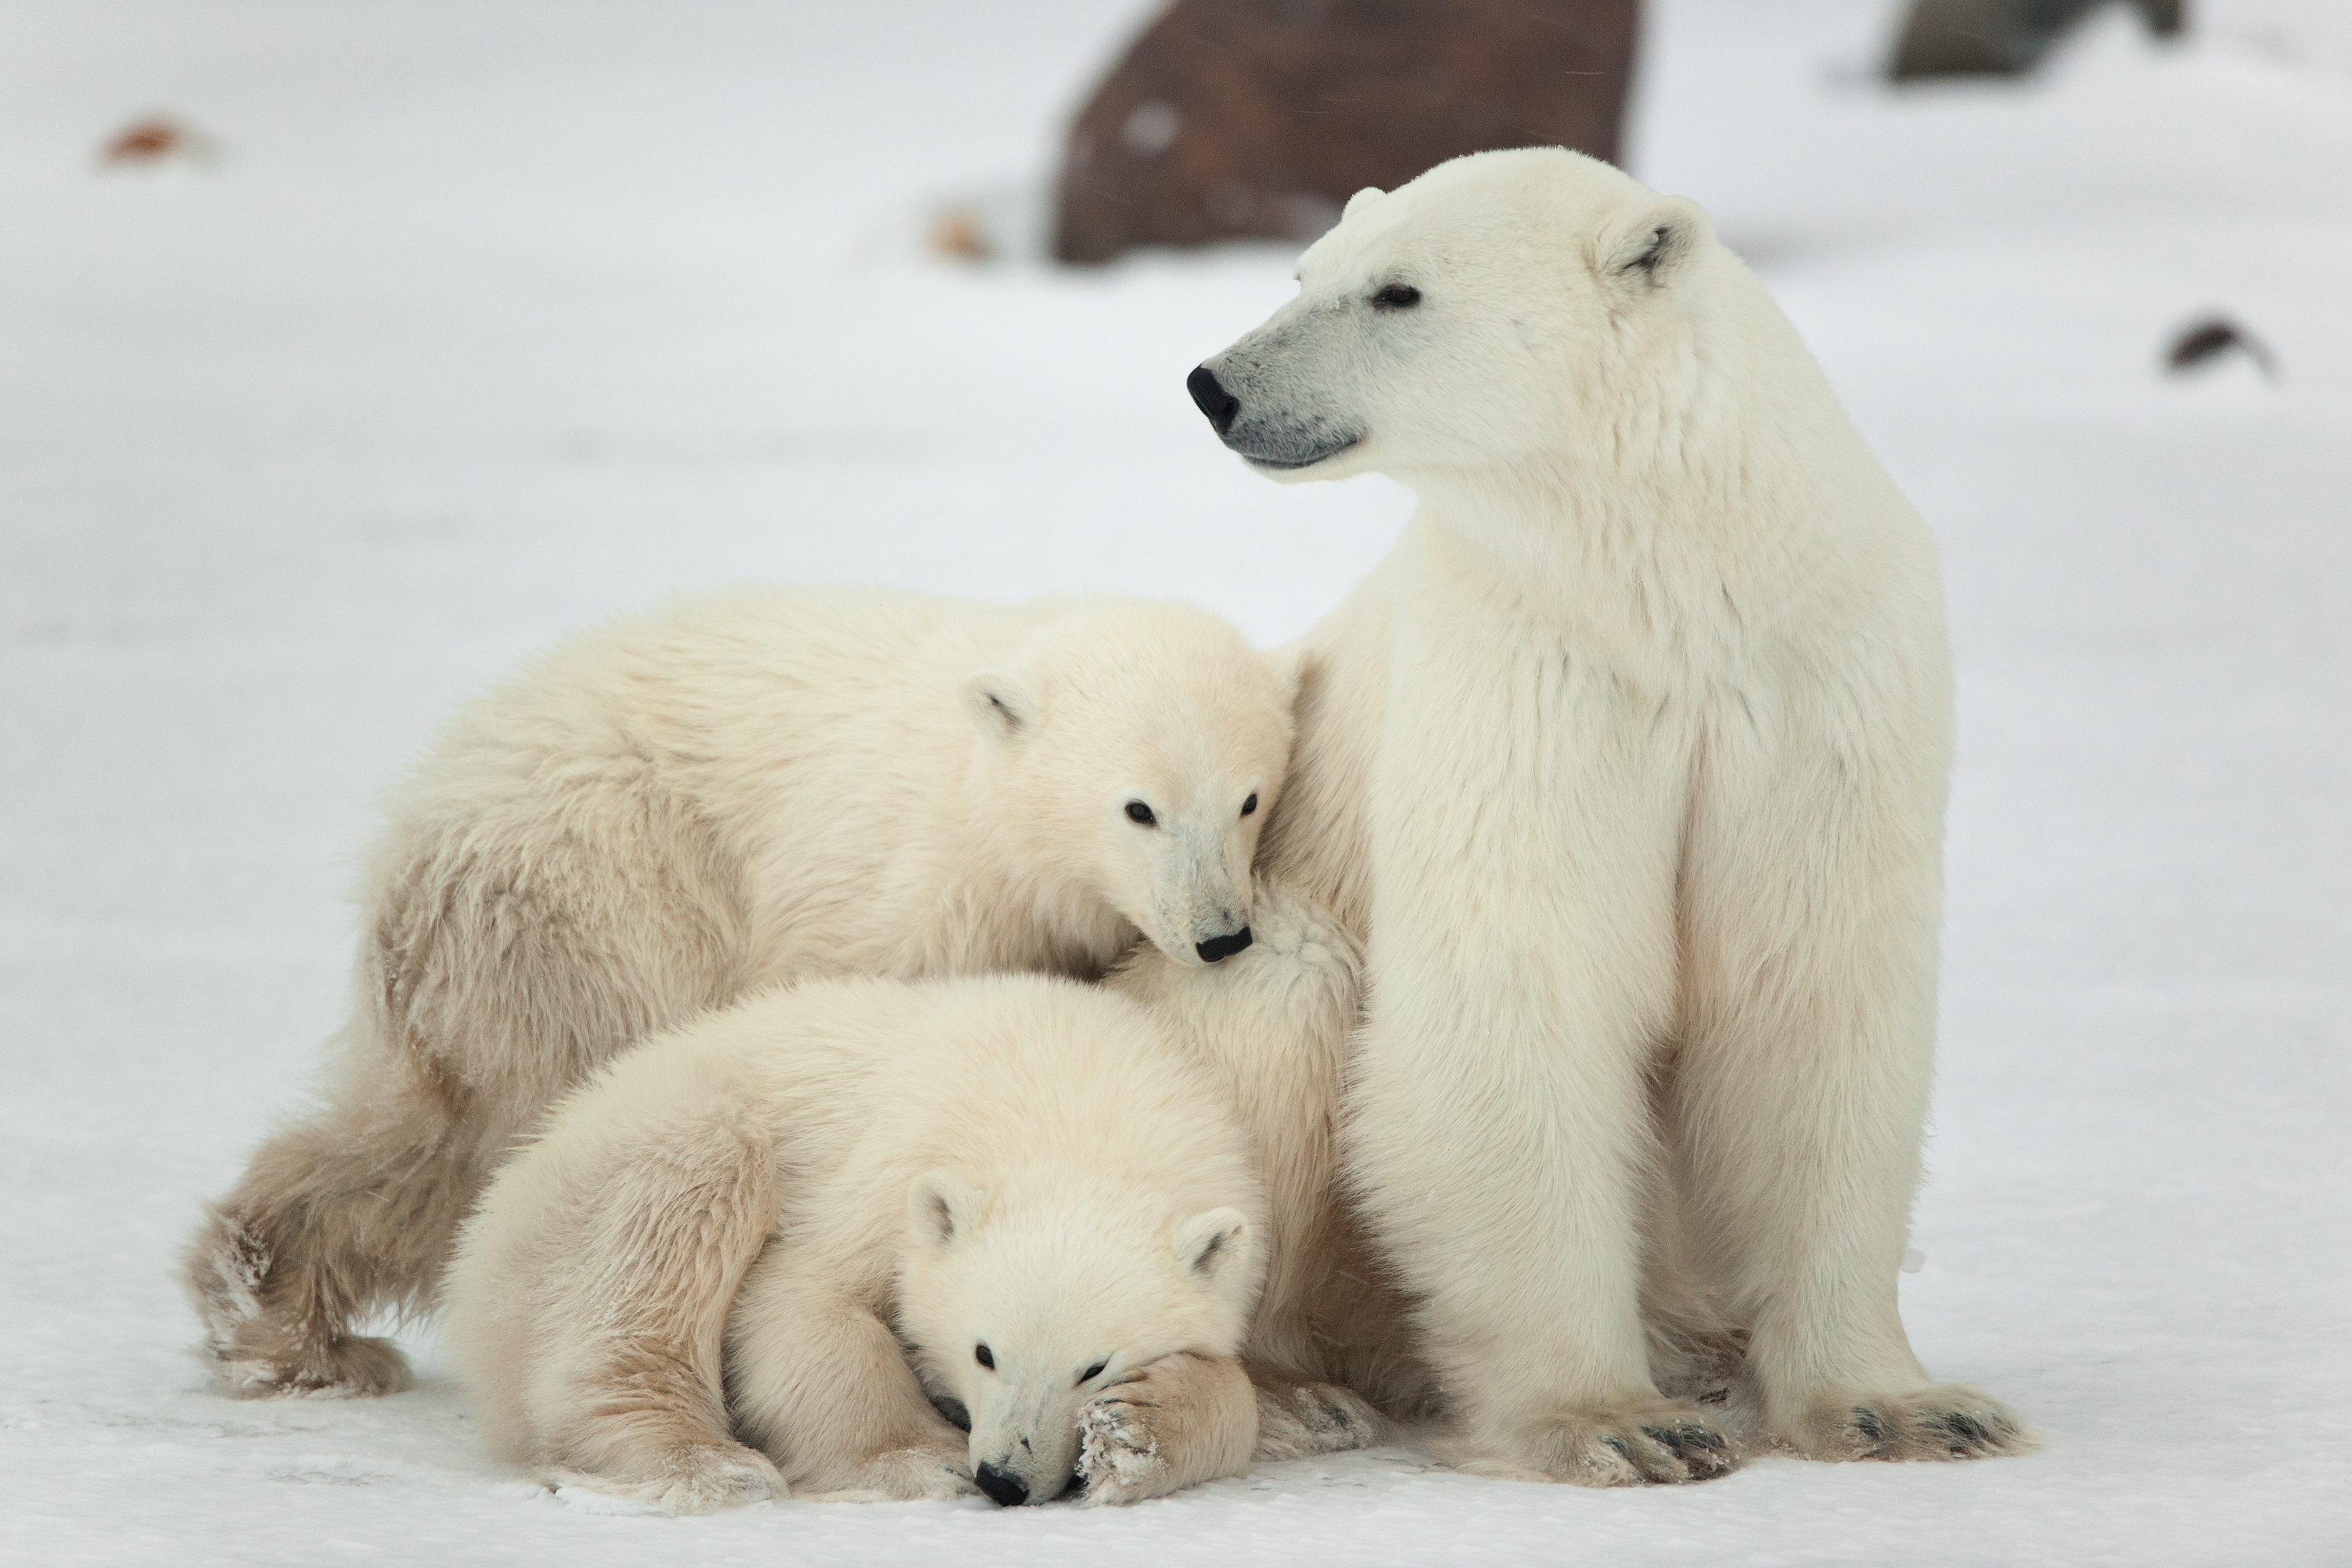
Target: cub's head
(1021,1311)
(1133,751)
(1481,314)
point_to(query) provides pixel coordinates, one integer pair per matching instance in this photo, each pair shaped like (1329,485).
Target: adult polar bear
(1630,765)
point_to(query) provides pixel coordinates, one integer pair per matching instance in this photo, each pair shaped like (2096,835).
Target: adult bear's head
(1503,308)
(1130,753)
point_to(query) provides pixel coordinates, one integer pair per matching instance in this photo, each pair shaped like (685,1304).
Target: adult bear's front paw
(1648,1443)
(1947,1421)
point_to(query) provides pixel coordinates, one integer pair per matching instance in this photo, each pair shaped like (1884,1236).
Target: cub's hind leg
(590,1308)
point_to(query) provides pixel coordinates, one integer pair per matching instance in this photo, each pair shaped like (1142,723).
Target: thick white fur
(667,813)
(839,1179)
(1630,763)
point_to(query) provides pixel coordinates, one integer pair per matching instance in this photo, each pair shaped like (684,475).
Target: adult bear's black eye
(981,1355)
(1397,297)
(1249,806)
(1093,1372)
(1138,812)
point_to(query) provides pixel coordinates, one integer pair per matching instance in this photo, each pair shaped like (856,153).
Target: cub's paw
(1118,1452)
(920,1474)
(1948,1421)
(1297,1420)
(693,1478)
(1650,1443)
(346,1366)
(1169,1423)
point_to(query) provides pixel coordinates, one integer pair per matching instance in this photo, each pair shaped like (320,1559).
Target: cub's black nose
(1218,947)
(1216,402)
(1003,1487)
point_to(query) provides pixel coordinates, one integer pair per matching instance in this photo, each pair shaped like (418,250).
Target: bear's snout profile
(1222,947)
(1214,401)
(1003,1487)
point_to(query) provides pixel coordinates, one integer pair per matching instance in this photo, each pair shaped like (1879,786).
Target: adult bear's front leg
(1812,899)
(1523,962)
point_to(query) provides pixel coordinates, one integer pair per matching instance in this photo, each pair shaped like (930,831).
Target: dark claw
(1965,1432)
(1866,1422)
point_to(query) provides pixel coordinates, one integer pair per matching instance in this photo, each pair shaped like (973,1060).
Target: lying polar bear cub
(680,808)
(1029,1186)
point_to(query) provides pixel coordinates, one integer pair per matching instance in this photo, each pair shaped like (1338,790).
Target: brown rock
(1257,118)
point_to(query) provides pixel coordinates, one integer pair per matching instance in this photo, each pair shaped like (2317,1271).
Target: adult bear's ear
(1214,1245)
(1002,700)
(1655,247)
(1359,200)
(939,1208)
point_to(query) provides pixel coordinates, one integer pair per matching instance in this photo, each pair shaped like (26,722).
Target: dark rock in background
(2003,38)
(1258,118)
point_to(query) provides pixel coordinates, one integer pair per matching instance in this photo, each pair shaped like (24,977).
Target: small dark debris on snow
(155,138)
(2202,341)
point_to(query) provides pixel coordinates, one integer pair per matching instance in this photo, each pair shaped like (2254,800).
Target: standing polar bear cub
(1629,765)
(668,813)
(1026,1188)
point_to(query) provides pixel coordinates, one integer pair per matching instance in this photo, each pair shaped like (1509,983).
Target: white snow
(496,315)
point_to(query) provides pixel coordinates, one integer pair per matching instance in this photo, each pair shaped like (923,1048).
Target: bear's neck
(1749,485)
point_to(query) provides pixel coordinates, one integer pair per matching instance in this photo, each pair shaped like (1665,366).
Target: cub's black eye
(1093,1372)
(1138,812)
(1397,297)
(1249,806)
(980,1353)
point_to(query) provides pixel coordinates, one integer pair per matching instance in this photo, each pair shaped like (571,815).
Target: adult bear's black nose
(1216,402)
(1003,1487)
(1225,946)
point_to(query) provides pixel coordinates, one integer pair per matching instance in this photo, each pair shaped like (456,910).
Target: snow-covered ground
(494,316)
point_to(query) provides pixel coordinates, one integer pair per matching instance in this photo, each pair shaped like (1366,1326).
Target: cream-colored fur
(1629,764)
(670,812)
(850,1194)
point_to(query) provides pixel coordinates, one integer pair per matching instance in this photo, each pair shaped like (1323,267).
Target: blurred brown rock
(1257,118)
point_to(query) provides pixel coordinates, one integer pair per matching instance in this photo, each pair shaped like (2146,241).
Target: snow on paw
(1303,1419)
(1652,1443)
(1118,1453)
(1947,1421)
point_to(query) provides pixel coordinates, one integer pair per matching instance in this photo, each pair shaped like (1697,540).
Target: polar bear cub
(866,1200)
(679,808)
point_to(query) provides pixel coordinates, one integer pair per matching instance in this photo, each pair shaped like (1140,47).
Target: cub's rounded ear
(939,1208)
(1359,200)
(1002,700)
(1295,667)
(1653,248)
(1214,1246)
